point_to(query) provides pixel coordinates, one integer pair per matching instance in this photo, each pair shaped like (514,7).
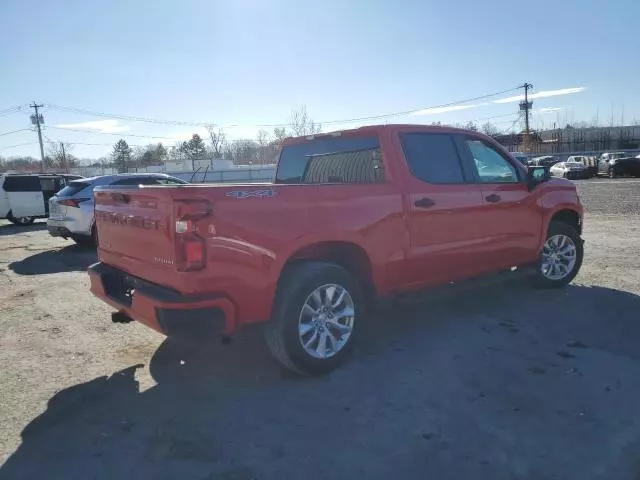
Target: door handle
(424,203)
(493,198)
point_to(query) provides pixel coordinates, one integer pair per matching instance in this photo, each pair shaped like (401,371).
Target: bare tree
(301,123)
(60,156)
(266,147)
(218,140)
(280,134)
(490,129)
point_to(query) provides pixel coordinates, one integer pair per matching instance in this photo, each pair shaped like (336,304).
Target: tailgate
(134,224)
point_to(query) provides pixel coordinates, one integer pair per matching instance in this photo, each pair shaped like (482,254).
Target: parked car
(25,197)
(611,155)
(589,161)
(71,210)
(619,164)
(544,161)
(571,170)
(352,216)
(521,157)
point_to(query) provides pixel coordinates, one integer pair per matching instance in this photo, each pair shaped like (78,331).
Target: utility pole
(64,158)
(526,108)
(37,120)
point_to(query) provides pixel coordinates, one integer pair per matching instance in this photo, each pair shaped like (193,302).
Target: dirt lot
(502,382)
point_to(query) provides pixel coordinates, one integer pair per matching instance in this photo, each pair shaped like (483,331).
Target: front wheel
(561,256)
(317,314)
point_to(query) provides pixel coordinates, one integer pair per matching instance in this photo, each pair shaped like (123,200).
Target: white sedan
(569,170)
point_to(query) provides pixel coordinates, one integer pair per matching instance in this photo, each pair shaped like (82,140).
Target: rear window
(332,160)
(73,188)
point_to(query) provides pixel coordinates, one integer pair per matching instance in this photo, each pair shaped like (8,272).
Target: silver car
(71,209)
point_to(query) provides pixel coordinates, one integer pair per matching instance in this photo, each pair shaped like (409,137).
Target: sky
(246,63)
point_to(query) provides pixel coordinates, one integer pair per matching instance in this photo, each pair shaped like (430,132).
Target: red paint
(248,241)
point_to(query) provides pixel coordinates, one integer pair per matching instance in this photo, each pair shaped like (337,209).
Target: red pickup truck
(351,216)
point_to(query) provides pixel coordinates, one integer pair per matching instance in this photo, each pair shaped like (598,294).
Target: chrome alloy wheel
(326,321)
(558,257)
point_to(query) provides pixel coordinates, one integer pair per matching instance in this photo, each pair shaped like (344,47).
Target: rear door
(25,195)
(509,218)
(442,201)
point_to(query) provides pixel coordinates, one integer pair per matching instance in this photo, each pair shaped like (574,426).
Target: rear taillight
(72,202)
(191,252)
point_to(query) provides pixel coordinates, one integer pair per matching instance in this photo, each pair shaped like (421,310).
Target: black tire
(560,228)
(20,220)
(83,240)
(281,332)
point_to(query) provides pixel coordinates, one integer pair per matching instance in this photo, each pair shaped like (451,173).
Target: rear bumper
(69,225)
(161,308)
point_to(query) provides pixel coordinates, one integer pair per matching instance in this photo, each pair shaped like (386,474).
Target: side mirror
(537,175)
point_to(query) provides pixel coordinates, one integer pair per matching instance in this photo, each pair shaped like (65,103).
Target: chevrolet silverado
(351,216)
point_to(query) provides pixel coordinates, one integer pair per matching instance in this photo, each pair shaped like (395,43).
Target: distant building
(574,140)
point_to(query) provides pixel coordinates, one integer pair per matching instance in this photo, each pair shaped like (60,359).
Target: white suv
(71,210)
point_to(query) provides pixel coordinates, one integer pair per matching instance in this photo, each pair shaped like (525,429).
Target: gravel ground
(499,382)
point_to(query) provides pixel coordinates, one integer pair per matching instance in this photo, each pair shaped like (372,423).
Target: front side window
(491,167)
(346,160)
(433,157)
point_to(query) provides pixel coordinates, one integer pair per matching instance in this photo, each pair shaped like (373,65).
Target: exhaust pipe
(120,317)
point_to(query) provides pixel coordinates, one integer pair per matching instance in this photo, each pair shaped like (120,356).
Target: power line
(14,131)
(326,122)
(9,111)
(18,145)
(112,133)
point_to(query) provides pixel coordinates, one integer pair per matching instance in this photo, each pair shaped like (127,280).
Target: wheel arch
(350,256)
(569,217)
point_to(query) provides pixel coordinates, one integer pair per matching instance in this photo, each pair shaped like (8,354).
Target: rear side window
(136,181)
(48,184)
(433,157)
(22,183)
(332,160)
(169,181)
(73,188)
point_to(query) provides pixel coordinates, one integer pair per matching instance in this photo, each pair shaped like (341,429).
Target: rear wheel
(83,240)
(317,313)
(20,220)
(561,256)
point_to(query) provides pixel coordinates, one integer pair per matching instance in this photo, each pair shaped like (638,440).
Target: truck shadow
(11,229)
(467,385)
(67,259)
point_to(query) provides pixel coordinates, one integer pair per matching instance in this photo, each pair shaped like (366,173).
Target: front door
(444,233)
(511,222)
(25,195)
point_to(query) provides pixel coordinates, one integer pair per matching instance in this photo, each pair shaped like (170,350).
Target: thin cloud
(437,110)
(550,109)
(100,126)
(232,132)
(543,94)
